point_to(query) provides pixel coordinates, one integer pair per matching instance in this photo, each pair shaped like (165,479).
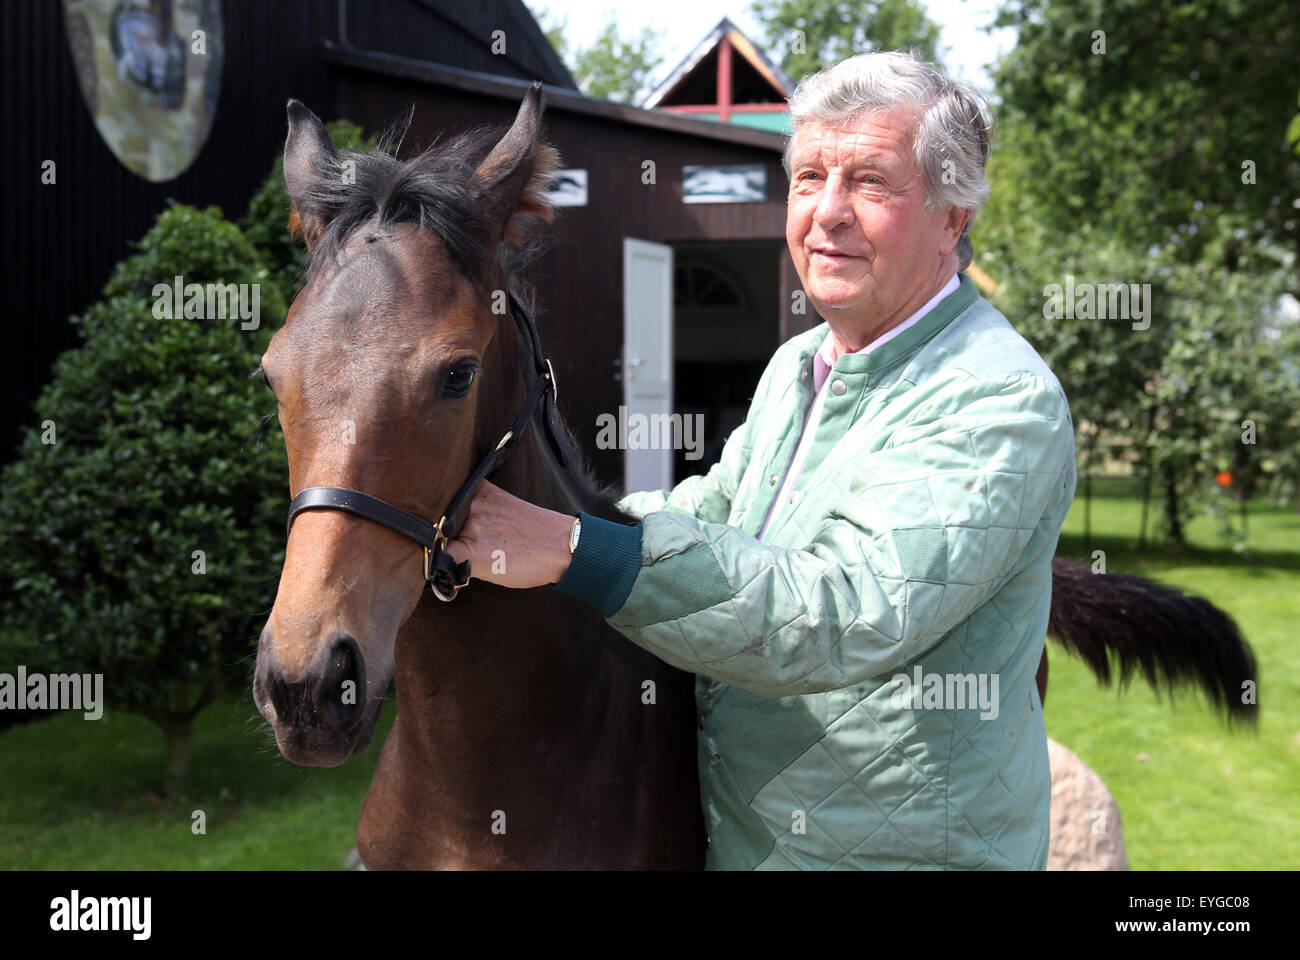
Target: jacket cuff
(605,564)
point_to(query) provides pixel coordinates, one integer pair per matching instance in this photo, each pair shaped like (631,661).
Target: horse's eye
(458,380)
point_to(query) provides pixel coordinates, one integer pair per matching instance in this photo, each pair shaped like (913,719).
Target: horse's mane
(431,189)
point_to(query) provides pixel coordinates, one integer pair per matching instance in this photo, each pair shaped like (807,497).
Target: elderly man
(862,583)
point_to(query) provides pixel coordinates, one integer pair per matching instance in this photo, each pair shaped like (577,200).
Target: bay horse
(523,736)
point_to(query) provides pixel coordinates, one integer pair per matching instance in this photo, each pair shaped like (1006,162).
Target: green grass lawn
(79,794)
(1192,794)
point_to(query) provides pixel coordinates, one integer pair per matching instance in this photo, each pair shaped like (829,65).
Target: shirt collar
(825,359)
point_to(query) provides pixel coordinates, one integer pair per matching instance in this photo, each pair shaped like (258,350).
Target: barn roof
(781,83)
(557,98)
(456,32)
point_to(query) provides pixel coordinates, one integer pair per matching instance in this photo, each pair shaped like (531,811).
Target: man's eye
(458,380)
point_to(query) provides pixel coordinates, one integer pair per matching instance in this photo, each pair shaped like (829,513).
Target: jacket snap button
(838,388)
(804,375)
(771,481)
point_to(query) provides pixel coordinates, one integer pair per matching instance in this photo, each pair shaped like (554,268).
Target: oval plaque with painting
(150,72)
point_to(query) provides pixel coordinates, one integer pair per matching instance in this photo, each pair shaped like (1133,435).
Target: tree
(1211,385)
(553,28)
(618,68)
(1151,114)
(143,521)
(614,67)
(1124,136)
(1293,133)
(1227,398)
(811,35)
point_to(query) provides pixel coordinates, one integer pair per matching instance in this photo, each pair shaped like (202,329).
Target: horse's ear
(309,157)
(511,181)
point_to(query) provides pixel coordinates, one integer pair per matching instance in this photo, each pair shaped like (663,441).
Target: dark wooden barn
(666,289)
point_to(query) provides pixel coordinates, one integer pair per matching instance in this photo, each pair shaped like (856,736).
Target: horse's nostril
(331,694)
(341,693)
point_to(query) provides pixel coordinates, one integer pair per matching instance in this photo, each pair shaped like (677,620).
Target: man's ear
(511,181)
(953,228)
(309,157)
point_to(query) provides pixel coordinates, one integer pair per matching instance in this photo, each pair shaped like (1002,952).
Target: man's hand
(512,542)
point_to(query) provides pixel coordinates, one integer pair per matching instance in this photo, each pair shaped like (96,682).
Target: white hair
(953,133)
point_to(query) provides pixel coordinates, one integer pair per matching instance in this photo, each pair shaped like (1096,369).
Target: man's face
(863,243)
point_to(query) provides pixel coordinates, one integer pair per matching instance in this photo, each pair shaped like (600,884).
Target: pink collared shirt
(823,363)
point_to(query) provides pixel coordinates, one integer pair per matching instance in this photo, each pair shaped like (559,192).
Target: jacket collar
(944,312)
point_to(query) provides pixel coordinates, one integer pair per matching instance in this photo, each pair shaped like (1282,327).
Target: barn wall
(60,241)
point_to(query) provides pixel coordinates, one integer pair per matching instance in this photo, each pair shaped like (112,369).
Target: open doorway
(726,326)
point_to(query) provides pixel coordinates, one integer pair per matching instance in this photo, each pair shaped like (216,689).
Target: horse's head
(394,372)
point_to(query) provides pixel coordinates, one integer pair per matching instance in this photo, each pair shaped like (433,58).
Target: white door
(647,357)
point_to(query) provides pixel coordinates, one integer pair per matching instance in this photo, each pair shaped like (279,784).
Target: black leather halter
(446,577)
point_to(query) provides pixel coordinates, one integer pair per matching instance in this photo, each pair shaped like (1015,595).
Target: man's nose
(834,205)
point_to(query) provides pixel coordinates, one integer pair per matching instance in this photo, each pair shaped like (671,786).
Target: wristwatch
(574,533)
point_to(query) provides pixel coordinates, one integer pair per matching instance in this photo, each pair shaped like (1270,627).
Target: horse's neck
(533,475)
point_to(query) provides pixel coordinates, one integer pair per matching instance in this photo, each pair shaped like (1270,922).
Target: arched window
(701,285)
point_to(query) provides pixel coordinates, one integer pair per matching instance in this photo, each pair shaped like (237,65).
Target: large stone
(1086,830)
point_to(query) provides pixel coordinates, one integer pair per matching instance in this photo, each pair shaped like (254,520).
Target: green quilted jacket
(865,674)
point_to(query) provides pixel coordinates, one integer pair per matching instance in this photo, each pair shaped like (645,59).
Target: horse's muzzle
(322,716)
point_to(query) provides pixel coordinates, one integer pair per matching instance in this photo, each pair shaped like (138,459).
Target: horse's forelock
(430,189)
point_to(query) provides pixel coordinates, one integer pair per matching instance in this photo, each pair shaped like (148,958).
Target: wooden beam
(724,79)
(735,108)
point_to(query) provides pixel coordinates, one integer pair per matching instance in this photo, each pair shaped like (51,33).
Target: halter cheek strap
(445,576)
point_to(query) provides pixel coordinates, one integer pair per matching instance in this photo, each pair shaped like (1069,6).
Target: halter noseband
(445,576)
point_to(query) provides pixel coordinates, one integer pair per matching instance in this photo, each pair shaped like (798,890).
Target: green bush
(156,455)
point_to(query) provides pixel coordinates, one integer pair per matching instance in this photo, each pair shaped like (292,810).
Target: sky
(965,46)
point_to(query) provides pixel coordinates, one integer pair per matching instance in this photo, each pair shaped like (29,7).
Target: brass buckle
(439,544)
(444,597)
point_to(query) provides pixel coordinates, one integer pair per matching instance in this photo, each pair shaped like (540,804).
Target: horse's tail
(1172,638)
